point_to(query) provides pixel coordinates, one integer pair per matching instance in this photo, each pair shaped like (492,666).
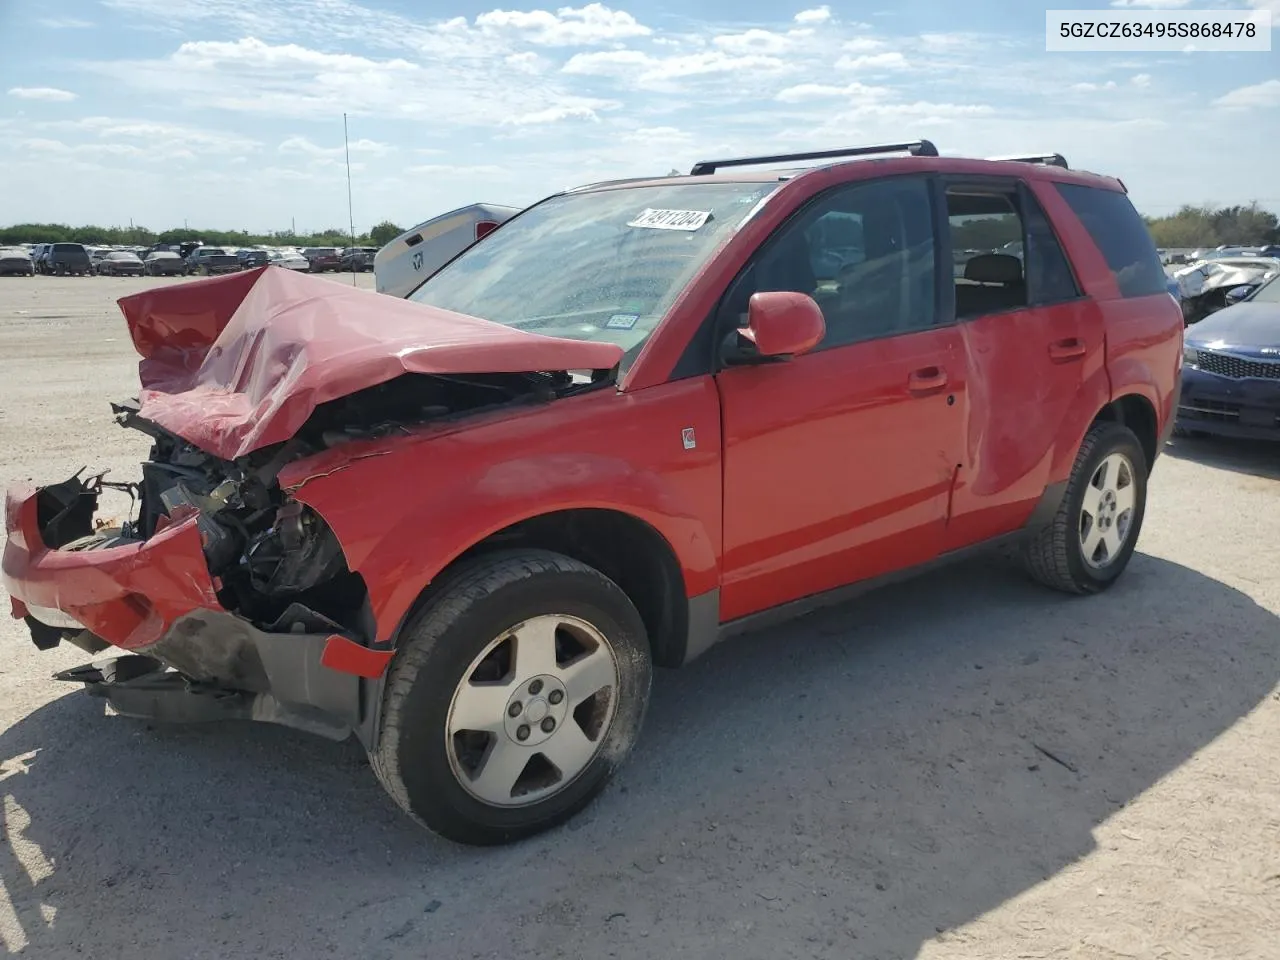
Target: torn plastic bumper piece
(128,595)
(142,688)
(156,598)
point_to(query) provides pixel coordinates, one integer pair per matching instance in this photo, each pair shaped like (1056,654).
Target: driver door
(838,464)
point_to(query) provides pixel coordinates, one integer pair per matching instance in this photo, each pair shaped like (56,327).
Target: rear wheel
(1093,535)
(520,688)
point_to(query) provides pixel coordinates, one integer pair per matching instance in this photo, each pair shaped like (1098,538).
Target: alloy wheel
(531,710)
(1106,512)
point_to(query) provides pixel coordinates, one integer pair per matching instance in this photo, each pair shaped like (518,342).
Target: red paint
(239,362)
(129,596)
(834,470)
(782,323)
(770,482)
(607,450)
(347,656)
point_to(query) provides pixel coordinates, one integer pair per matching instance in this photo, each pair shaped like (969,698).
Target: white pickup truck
(401,265)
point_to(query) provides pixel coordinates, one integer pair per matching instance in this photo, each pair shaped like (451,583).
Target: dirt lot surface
(963,766)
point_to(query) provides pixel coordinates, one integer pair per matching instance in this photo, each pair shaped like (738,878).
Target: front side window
(603,265)
(865,252)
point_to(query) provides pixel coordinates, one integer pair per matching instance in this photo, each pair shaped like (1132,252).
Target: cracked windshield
(595,266)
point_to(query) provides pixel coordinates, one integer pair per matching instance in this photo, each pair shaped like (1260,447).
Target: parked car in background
(357,259)
(322,258)
(1209,285)
(67,259)
(401,265)
(16,261)
(211,260)
(250,258)
(164,263)
(1231,369)
(290,260)
(119,263)
(627,424)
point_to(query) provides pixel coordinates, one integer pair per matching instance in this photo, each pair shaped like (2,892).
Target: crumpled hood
(1249,326)
(236,363)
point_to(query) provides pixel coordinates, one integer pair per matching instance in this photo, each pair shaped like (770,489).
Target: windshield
(1269,292)
(603,266)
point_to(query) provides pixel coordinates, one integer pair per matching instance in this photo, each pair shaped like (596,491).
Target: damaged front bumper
(188,657)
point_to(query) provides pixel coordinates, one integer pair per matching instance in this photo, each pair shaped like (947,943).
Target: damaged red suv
(636,418)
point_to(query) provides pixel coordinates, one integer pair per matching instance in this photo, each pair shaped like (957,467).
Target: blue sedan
(1231,370)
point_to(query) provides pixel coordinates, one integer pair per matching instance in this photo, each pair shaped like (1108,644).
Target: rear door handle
(927,380)
(1069,349)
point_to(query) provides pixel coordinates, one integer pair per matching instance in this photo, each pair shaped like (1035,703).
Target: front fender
(406,508)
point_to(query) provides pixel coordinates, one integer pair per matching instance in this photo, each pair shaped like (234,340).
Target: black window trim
(1021,190)
(702,356)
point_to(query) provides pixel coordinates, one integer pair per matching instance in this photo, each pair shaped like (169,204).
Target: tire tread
(1046,555)
(464,587)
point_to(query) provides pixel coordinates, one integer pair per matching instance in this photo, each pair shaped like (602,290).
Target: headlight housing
(1190,356)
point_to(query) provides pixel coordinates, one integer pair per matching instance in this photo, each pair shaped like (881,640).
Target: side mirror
(780,324)
(1236,294)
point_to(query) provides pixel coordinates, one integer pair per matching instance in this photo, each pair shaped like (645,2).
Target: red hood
(239,362)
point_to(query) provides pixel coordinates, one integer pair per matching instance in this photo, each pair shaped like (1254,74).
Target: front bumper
(156,598)
(1247,408)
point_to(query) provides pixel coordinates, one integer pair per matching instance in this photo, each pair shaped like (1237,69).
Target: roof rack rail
(917,148)
(1049,159)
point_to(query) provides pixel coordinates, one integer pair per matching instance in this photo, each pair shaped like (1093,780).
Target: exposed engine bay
(274,560)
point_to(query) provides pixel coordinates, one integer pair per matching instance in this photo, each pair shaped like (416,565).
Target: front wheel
(519,689)
(1093,535)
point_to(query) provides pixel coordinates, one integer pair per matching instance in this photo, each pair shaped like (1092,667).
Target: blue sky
(228,113)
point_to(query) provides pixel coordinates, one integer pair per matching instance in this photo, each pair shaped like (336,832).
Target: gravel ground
(961,766)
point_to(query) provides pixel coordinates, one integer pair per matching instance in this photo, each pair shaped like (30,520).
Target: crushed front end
(227,598)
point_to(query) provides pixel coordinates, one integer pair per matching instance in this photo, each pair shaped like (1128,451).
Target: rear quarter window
(1120,234)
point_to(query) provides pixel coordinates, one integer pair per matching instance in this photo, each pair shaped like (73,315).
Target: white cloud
(874,61)
(1151,4)
(1141,79)
(1265,94)
(820,14)
(64,23)
(302,145)
(753,41)
(526,62)
(646,69)
(821,91)
(1086,86)
(947,41)
(292,81)
(862,45)
(594,23)
(449,169)
(554,115)
(50,94)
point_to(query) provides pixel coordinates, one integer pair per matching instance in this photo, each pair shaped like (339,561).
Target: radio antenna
(351,217)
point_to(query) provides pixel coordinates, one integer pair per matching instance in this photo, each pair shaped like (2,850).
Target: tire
(425,768)
(1056,556)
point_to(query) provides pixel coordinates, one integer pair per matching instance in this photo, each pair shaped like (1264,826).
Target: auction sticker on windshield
(671,219)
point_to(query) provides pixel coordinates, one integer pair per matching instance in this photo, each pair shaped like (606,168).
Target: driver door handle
(1069,349)
(927,380)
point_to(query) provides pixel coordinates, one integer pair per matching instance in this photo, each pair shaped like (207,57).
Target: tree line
(1191,226)
(142,237)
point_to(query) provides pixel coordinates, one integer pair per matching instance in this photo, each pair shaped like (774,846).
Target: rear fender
(1093,396)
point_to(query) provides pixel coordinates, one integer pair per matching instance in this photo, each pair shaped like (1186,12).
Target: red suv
(636,418)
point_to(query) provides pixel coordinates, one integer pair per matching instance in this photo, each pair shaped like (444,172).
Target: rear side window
(1120,234)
